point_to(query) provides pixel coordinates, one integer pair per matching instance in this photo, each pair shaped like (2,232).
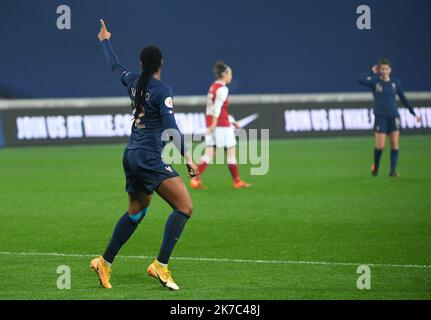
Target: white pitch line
(294,262)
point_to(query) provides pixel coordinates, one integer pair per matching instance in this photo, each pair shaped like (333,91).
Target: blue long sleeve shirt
(158,114)
(385,93)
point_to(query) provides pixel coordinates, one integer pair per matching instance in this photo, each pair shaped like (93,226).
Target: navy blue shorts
(145,171)
(384,124)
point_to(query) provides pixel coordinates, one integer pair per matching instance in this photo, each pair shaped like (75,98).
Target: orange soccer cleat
(197,184)
(162,273)
(239,184)
(103,270)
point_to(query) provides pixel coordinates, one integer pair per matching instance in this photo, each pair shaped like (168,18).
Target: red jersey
(218,105)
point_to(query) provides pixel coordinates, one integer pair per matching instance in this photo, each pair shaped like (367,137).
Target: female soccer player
(387,118)
(220,127)
(143,166)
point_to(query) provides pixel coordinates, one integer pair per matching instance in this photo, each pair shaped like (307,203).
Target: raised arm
(368,79)
(123,74)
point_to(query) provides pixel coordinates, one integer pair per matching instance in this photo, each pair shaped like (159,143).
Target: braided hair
(151,61)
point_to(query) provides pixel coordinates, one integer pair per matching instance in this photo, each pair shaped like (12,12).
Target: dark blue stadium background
(289,46)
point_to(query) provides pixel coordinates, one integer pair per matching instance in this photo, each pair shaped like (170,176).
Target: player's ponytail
(220,68)
(151,61)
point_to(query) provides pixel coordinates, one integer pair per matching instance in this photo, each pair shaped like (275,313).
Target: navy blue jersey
(385,93)
(157,115)
(148,126)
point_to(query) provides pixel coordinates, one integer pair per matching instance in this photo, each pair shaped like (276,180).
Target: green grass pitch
(318,204)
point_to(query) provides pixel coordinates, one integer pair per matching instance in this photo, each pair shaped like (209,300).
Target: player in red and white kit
(220,127)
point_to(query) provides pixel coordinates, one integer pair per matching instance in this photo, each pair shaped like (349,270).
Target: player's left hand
(418,119)
(193,170)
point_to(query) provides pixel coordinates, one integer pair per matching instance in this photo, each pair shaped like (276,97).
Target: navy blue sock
(122,232)
(174,226)
(394,159)
(377,156)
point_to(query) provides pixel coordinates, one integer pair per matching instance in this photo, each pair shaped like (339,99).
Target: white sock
(107,263)
(162,264)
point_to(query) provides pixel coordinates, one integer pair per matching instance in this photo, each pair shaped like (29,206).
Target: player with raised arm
(387,118)
(144,169)
(220,127)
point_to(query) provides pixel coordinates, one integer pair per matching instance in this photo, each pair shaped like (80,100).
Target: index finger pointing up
(102,24)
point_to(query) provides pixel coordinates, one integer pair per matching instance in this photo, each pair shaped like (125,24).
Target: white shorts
(222,137)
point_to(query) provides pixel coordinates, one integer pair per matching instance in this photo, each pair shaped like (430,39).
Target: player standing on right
(220,127)
(387,118)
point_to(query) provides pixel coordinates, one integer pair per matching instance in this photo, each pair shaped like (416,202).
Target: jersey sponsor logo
(169,102)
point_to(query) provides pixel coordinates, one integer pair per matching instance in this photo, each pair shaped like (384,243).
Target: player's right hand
(375,69)
(193,170)
(104,34)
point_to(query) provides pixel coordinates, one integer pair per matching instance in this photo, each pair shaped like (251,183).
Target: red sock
(233,168)
(202,166)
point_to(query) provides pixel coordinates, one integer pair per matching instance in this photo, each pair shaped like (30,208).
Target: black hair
(219,68)
(385,62)
(151,61)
